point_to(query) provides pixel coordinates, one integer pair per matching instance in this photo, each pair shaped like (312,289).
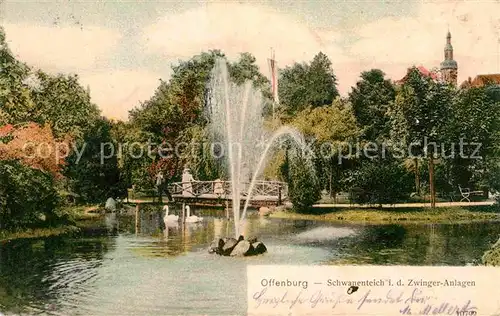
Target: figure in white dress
(187,179)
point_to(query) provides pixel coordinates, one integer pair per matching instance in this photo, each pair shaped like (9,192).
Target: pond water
(159,271)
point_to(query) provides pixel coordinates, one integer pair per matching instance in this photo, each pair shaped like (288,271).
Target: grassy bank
(75,218)
(382,216)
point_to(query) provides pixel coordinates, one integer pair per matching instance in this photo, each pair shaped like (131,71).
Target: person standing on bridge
(161,186)
(187,185)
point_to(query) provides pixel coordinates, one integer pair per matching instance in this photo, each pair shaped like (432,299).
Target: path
(409,205)
(397,205)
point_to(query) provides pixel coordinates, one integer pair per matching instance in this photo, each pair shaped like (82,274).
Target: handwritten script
(355,290)
(408,302)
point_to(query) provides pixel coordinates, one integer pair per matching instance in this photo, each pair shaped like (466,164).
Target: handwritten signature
(413,302)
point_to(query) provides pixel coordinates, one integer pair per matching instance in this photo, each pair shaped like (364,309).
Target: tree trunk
(331,179)
(330,185)
(417,178)
(431,181)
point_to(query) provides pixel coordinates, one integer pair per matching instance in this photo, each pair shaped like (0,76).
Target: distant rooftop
(424,71)
(481,81)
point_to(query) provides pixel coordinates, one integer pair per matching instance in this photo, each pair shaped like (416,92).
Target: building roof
(424,71)
(481,81)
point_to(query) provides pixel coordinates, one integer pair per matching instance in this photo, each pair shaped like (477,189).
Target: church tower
(449,67)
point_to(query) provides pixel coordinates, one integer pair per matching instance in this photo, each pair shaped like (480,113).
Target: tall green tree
(93,172)
(64,104)
(420,116)
(16,105)
(303,85)
(476,122)
(303,187)
(370,99)
(331,129)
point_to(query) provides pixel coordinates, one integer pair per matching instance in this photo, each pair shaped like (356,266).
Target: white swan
(192,218)
(169,218)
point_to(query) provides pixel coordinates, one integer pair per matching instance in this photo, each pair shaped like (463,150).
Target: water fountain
(237,123)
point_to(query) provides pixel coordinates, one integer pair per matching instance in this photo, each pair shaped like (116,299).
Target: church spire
(449,66)
(448,49)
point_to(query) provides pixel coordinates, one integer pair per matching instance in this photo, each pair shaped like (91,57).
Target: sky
(120,49)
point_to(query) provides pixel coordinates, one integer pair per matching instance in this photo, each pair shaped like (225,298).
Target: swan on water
(192,218)
(169,218)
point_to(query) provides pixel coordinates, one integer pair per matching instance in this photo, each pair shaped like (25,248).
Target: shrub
(380,181)
(26,195)
(303,184)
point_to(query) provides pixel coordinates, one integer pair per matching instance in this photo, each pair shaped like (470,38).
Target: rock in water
(242,248)
(259,248)
(216,246)
(110,205)
(229,244)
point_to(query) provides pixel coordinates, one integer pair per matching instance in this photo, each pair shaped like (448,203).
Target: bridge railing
(223,189)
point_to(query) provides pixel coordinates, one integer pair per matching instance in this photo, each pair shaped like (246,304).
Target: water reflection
(124,273)
(36,274)
(430,244)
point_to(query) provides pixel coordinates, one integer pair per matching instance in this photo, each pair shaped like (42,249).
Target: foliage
(26,195)
(303,186)
(93,169)
(370,99)
(174,117)
(476,120)
(420,118)
(421,111)
(199,155)
(33,146)
(303,85)
(331,130)
(64,104)
(380,181)
(492,256)
(15,102)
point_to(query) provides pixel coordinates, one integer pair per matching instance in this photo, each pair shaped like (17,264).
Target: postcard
(249,157)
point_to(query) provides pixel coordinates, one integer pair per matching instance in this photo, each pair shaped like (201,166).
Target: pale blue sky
(120,47)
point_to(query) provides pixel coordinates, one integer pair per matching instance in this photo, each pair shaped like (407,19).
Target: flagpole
(273,79)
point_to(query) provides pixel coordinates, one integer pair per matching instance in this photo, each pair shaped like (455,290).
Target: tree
(303,85)
(331,129)
(420,116)
(176,111)
(34,146)
(475,119)
(16,105)
(370,99)
(26,195)
(303,186)
(93,171)
(64,104)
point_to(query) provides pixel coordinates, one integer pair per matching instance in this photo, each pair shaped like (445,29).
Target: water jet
(236,120)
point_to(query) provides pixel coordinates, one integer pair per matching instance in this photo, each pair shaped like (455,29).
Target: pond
(159,271)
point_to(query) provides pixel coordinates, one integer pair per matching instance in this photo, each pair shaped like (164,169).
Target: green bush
(492,256)
(27,196)
(303,184)
(380,181)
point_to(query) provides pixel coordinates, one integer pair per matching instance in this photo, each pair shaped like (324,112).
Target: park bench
(466,193)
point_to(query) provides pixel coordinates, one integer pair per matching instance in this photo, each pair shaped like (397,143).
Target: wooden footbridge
(219,193)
